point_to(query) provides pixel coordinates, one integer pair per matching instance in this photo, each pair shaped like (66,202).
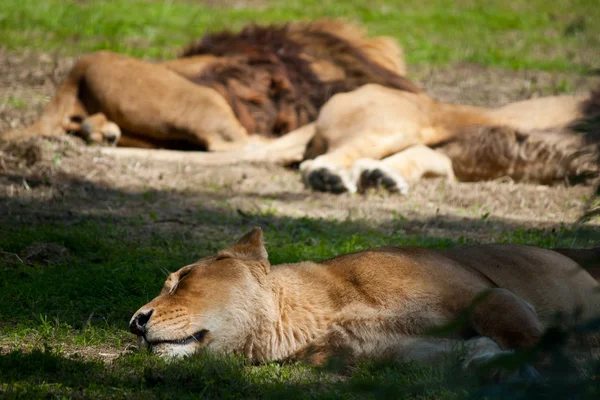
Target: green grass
(535,34)
(82,302)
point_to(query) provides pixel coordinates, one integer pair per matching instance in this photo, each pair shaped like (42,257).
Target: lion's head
(213,303)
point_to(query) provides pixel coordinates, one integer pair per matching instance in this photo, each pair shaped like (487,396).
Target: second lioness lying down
(374,303)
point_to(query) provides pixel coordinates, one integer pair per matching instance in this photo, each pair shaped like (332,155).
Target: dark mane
(266,73)
(569,153)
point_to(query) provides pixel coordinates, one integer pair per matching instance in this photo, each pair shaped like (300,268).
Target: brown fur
(236,93)
(270,80)
(373,303)
(491,152)
(564,153)
(375,136)
(274,79)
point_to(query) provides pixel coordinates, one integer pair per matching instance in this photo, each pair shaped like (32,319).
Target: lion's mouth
(197,337)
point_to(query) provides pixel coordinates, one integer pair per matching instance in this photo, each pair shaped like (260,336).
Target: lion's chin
(167,350)
(143,343)
(173,351)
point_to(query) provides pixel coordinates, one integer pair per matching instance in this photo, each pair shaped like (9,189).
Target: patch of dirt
(492,87)
(41,254)
(70,183)
(60,179)
(44,254)
(103,353)
(27,82)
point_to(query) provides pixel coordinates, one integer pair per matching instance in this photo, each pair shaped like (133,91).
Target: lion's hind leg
(506,318)
(395,172)
(66,107)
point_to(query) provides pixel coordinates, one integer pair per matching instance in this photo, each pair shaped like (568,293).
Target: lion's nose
(138,324)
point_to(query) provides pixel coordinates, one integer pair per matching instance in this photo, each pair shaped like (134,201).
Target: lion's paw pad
(326,178)
(375,174)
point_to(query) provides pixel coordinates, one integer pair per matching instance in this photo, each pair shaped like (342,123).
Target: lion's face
(211,303)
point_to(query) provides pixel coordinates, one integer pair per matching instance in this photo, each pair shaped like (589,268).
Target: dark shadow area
(79,201)
(121,242)
(46,373)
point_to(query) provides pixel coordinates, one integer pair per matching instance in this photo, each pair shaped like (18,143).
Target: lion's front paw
(98,129)
(369,173)
(484,357)
(326,177)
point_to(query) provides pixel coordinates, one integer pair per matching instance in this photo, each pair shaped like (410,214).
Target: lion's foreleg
(64,106)
(331,172)
(349,343)
(346,345)
(396,171)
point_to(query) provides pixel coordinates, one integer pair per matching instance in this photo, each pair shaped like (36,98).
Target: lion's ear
(250,247)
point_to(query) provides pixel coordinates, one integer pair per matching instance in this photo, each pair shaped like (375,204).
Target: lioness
(372,303)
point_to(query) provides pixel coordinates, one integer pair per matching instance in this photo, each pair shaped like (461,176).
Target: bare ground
(60,180)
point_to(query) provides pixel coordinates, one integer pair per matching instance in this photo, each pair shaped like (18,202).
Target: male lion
(263,81)
(322,93)
(373,303)
(376,136)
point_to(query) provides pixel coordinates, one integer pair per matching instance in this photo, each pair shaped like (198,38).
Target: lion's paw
(483,356)
(369,173)
(98,129)
(326,177)
(108,134)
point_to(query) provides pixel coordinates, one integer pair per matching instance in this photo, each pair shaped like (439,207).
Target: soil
(59,180)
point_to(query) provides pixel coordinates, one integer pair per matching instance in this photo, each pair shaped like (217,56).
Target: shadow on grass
(121,245)
(45,374)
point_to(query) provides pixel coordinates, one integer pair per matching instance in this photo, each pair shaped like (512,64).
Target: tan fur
(125,90)
(264,80)
(374,303)
(375,122)
(382,50)
(239,99)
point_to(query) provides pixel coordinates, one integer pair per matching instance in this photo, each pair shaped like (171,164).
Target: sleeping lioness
(373,303)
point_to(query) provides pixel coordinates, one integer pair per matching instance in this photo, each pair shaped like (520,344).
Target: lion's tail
(589,259)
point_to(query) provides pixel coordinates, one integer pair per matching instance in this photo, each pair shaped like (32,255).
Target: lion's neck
(298,313)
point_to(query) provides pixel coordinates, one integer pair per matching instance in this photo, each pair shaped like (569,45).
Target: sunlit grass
(518,34)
